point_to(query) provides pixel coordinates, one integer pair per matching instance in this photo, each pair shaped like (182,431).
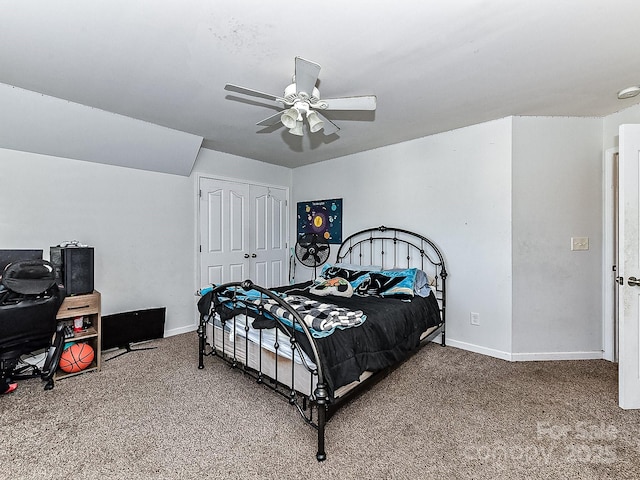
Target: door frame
(223,178)
(609,317)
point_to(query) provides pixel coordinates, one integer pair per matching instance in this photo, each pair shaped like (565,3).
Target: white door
(224,235)
(629,267)
(243,233)
(269,244)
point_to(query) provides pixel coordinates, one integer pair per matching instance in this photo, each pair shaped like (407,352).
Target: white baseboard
(545,356)
(177,331)
(475,348)
(522,357)
(511,357)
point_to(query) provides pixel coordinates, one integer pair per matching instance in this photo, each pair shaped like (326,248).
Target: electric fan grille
(312,250)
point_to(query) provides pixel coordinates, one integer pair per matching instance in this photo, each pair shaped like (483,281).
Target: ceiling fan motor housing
(291,95)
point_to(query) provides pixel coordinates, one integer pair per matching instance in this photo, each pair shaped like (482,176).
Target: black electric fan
(312,250)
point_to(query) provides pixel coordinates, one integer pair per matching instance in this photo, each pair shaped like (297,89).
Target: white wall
(223,165)
(557,194)
(454,188)
(140,223)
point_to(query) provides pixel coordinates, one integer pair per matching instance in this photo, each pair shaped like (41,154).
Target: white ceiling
(434,66)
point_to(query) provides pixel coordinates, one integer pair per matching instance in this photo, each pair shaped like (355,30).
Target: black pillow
(347,274)
(377,284)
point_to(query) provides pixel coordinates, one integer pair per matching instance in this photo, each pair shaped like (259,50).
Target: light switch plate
(579,243)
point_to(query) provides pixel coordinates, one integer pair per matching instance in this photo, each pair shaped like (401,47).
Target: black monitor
(123,329)
(10,256)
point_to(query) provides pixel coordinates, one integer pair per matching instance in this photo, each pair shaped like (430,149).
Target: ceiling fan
(302,100)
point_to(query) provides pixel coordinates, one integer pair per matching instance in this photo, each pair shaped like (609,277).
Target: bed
(321,342)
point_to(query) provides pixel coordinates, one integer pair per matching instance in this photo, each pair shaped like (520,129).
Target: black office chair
(29,301)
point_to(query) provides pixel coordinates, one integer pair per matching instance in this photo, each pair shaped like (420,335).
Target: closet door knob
(253,255)
(246,255)
(633,282)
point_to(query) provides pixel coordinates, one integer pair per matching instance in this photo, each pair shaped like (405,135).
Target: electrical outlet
(475,318)
(579,243)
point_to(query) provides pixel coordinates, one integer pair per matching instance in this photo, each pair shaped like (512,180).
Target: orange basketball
(76,358)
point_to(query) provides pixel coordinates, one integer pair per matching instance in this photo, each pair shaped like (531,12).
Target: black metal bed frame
(388,247)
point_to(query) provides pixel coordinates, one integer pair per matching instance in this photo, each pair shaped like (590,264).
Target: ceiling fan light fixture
(315,124)
(297,129)
(290,117)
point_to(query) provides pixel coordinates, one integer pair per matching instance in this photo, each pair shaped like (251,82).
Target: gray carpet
(445,413)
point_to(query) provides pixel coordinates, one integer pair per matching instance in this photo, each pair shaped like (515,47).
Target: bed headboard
(395,248)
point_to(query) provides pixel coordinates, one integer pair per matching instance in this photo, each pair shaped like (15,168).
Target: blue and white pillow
(403,282)
(421,285)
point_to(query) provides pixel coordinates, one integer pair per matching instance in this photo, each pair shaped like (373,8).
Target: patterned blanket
(322,318)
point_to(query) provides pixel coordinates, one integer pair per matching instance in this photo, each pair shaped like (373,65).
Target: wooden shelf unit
(87,306)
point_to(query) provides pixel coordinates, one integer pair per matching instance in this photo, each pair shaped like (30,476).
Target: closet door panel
(270,225)
(224,231)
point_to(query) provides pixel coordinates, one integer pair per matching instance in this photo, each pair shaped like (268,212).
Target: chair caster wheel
(49,385)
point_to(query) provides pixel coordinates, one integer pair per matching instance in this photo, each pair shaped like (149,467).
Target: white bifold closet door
(243,233)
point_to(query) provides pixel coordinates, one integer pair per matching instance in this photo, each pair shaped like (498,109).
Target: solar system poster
(323,217)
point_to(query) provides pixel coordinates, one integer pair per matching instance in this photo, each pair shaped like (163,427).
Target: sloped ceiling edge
(37,123)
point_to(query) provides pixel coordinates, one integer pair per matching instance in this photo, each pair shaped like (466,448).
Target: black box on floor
(122,329)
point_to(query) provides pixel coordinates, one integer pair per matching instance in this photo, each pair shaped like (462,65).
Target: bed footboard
(228,309)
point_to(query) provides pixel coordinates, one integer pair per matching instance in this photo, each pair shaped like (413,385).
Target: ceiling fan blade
(248,91)
(365,102)
(306,75)
(272,120)
(329,127)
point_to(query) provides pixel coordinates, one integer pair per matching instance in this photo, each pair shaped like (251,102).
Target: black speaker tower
(74,268)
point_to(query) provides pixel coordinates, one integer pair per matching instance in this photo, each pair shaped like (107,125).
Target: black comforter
(389,335)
